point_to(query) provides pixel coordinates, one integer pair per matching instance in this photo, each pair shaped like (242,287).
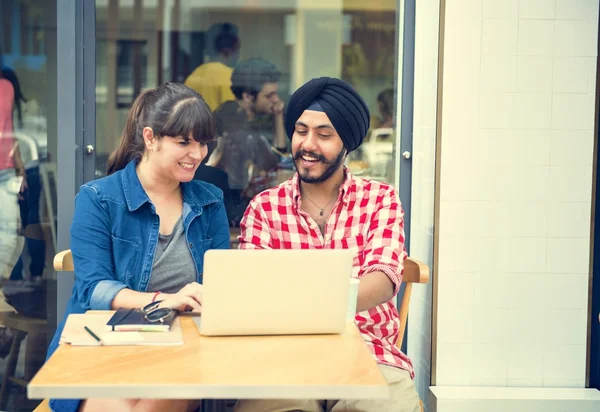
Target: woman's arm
(18,161)
(20,169)
(91,245)
(127,298)
(92,248)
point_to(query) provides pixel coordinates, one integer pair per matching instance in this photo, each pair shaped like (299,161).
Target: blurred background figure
(29,196)
(213,79)
(12,176)
(218,178)
(376,157)
(385,107)
(243,152)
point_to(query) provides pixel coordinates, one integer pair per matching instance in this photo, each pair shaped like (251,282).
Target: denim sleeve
(219,227)
(91,245)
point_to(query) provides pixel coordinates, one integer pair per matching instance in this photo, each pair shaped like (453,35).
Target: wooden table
(249,367)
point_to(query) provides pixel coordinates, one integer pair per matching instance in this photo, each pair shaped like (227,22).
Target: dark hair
(386,98)
(170,110)
(250,75)
(227,40)
(11,76)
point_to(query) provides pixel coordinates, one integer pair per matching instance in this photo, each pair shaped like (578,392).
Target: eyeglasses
(153,313)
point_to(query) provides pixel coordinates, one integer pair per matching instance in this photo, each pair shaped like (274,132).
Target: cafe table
(336,366)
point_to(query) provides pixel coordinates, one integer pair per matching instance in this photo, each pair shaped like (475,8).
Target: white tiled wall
(423,177)
(502,399)
(516,183)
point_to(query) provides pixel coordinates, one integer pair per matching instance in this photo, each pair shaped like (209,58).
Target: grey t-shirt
(173,266)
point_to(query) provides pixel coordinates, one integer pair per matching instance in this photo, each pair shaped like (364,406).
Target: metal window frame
(593,333)
(406,10)
(76,121)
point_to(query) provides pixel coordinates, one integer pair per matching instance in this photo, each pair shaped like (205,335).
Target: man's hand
(279,135)
(278,107)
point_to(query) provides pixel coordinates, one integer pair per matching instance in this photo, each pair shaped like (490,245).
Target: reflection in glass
(27,192)
(196,41)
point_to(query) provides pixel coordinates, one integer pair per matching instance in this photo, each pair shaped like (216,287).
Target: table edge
(209,391)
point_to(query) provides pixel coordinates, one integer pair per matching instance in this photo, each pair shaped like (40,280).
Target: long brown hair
(169,110)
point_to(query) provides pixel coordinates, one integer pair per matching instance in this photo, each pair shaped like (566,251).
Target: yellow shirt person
(213,82)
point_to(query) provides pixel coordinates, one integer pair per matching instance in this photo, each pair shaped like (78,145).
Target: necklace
(321,208)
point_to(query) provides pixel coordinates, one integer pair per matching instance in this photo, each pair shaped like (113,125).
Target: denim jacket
(114,235)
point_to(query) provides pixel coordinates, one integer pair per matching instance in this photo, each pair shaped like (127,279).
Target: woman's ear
(149,139)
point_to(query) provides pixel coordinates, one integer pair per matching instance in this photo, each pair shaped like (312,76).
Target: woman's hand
(188,298)
(23,188)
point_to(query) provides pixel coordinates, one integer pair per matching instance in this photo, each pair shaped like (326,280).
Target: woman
(12,176)
(139,234)
(29,196)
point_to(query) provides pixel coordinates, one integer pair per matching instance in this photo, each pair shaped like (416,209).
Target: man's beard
(332,166)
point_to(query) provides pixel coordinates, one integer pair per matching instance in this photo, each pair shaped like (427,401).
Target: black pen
(88,330)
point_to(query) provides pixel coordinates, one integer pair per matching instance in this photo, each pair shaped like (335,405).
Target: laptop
(275,292)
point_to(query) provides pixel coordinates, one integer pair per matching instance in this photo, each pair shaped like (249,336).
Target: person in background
(241,151)
(139,235)
(216,177)
(325,206)
(12,176)
(29,198)
(212,80)
(385,107)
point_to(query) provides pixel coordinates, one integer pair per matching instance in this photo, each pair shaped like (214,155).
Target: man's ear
(150,139)
(247,97)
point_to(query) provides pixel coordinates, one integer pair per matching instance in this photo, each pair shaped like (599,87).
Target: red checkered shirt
(366,217)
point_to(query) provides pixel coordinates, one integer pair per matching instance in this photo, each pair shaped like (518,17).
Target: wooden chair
(63,262)
(43,407)
(414,272)
(22,326)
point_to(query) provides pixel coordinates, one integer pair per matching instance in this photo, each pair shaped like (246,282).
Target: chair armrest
(63,261)
(415,271)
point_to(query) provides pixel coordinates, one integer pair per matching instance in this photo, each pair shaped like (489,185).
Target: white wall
(516,183)
(423,190)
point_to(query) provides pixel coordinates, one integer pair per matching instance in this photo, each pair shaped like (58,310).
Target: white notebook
(75,334)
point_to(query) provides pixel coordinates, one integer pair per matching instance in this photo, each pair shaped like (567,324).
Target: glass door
(28,192)
(141,44)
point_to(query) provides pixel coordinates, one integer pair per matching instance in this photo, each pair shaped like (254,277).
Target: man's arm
(215,158)
(279,135)
(375,288)
(254,228)
(384,255)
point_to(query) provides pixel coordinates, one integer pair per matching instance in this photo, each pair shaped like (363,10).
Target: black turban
(345,108)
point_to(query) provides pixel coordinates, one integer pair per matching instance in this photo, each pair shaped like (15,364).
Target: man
(324,206)
(242,151)
(212,80)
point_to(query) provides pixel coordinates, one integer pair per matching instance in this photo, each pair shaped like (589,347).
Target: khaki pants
(403,398)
